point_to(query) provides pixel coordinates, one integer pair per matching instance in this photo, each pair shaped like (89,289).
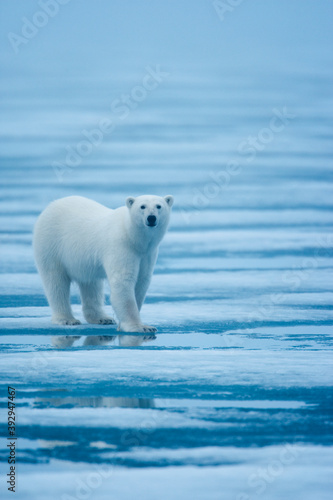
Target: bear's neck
(144,239)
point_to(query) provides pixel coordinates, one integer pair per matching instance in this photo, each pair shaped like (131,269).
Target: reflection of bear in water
(66,341)
(93,402)
(79,240)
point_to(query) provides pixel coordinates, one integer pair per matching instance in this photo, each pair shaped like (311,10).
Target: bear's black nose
(151,220)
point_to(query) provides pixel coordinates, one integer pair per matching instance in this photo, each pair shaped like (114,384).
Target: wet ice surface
(233,398)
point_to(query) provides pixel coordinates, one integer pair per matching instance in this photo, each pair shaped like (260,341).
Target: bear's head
(150,211)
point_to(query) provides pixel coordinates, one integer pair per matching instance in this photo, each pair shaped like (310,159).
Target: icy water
(233,399)
(238,380)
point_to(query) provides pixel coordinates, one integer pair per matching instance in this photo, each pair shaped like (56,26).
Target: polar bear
(77,239)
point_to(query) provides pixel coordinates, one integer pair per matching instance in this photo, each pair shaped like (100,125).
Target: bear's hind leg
(57,290)
(92,296)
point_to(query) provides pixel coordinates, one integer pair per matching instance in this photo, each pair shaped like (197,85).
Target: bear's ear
(129,201)
(169,200)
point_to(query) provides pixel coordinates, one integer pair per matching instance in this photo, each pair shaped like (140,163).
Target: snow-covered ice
(233,399)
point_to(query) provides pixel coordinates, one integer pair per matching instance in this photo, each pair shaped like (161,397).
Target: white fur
(77,239)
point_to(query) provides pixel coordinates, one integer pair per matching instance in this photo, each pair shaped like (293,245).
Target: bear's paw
(123,327)
(67,321)
(106,321)
(149,329)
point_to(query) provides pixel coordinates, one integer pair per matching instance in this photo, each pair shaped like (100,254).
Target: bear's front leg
(124,303)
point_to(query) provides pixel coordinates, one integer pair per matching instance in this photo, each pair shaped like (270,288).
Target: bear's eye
(143,207)
(158,206)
